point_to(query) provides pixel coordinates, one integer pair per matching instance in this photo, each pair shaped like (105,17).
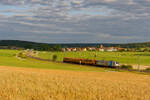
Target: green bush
(21,55)
(54,57)
(126,67)
(148,69)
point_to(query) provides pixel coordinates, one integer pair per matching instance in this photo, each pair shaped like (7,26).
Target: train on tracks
(103,63)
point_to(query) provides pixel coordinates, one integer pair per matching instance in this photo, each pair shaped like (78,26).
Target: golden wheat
(38,84)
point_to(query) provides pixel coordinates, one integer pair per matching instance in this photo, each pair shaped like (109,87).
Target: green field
(8,58)
(122,57)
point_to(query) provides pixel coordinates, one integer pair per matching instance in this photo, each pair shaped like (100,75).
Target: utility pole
(95,54)
(139,62)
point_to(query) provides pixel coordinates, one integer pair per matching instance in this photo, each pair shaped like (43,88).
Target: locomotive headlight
(117,64)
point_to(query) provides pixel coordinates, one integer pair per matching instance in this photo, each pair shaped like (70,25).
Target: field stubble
(38,84)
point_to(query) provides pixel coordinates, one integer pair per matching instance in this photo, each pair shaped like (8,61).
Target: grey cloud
(54,21)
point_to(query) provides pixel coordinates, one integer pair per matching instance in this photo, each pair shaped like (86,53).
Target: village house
(78,49)
(111,49)
(74,49)
(84,49)
(16,48)
(68,49)
(63,49)
(91,48)
(100,49)
(4,47)
(11,47)
(121,49)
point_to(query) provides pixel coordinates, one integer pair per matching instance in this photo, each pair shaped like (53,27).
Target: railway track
(37,58)
(130,70)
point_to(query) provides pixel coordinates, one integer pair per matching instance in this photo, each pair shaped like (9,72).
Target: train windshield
(117,62)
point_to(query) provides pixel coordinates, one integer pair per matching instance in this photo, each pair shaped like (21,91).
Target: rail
(130,70)
(41,59)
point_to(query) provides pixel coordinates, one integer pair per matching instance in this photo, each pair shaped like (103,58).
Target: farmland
(42,84)
(29,79)
(122,57)
(8,58)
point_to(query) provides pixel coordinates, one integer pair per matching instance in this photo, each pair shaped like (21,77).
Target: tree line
(57,47)
(31,45)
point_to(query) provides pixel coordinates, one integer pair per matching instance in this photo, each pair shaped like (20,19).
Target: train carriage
(103,63)
(88,62)
(107,63)
(79,61)
(72,60)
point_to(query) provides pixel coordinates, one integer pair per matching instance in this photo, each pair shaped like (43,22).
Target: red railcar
(80,61)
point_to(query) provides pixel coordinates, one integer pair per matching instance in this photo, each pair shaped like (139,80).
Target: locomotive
(111,64)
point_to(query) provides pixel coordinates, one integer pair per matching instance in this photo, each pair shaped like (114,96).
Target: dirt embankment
(142,67)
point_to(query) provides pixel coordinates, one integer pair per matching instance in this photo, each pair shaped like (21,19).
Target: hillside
(37,46)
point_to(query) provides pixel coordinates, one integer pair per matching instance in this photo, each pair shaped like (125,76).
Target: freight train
(111,64)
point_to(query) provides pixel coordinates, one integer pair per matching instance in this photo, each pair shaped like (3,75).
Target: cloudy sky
(75,21)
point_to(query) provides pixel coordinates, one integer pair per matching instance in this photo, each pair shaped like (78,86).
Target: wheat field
(42,84)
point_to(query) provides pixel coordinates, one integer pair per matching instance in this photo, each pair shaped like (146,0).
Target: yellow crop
(38,84)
